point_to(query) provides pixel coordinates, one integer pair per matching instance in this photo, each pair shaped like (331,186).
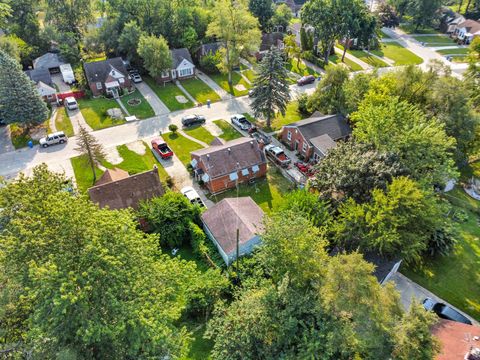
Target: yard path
(362,63)
(77,119)
(224,95)
(159,108)
(187,94)
(120,103)
(314,67)
(244,77)
(183,133)
(53,116)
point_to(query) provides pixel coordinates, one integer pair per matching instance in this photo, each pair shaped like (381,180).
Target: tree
(387,15)
(129,39)
(84,282)
(309,205)
(19,99)
(169,216)
(292,49)
(355,89)
(71,15)
(237,29)
(354,170)
(402,6)
(155,54)
(424,12)
(282,16)
(263,11)
(91,149)
(5,13)
(473,72)
(271,91)
(15,47)
(173,128)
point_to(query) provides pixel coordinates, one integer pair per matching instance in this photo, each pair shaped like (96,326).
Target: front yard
(268,193)
(181,146)
(200,91)
(136,105)
(435,40)
(300,68)
(369,59)
(168,94)
(239,85)
(397,53)
(94,110)
(62,122)
(200,133)
(337,59)
(229,132)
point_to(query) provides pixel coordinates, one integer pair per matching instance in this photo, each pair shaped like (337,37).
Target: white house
(182,66)
(467,30)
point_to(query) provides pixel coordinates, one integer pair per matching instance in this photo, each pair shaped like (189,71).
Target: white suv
(52,139)
(71,103)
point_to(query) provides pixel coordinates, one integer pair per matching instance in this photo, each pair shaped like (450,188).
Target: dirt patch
(134,102)
(240,87)
(181,99)
(112,155)
(137,147)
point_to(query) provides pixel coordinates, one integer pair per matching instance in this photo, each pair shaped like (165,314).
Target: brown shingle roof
(456,339)
(223,219)
(334,126)
(472,26)
(126,191)
(112,175)
(220,160)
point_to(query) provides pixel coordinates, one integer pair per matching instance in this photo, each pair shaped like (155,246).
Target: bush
(442,241)
(302,105)
(209,63)
(169,181)
(173,128)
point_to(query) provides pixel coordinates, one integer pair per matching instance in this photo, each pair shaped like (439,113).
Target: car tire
(203,121)
(45,146)
(62,141)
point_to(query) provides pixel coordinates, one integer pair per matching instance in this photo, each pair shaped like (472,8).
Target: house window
(304,147)
(185,72)
(99,85)
(121,80)
(289,135)
(164,74)
(316,157)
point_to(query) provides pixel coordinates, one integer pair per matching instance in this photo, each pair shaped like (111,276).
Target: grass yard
(459,58)
(95,112)
(200,91)
(369,59)
(291,115)
(410,29)
(229,132)
(249,74)
(167,94)
(455,277)
(384,35)
(83,173)
(397,53)
(456,51)
(181,146)
(19,137)
(437,40)
(200,133)
(237,80)
(301,68)
(337,59)
(63,123)
(267,193)
(142,110)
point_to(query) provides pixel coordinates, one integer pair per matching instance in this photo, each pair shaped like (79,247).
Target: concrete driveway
(58,80)
(157,105)
(409,289)
(77,119)
(5,143)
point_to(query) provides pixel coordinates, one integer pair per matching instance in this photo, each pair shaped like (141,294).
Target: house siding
(219,248)
(296,137)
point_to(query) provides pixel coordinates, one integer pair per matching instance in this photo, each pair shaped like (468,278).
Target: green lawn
(291,115)
(249,74)
(410,29)
(455,277)
(94,111)
(83,173)
(459,58)
(267,193)
(18,137)
(63,123)
(397,53)
(200,91)
(436,40)
(237,80)
(200,133)
(457,51)
(300,68)
(369,59)
(337,59)
(181,146)
(142,110)
(167,94)
(229,132)
(384,36)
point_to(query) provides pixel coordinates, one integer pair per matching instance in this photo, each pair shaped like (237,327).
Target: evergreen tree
(89,147)
(19,99)
(271,92)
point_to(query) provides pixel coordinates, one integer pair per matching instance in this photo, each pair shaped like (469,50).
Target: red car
(161,148)
(305,80)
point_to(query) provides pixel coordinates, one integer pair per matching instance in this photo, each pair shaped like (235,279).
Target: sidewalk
(187,94)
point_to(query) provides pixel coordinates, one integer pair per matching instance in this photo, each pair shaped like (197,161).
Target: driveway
(409,289)
(5,143)
(157,105)
(77,119)
(58,80)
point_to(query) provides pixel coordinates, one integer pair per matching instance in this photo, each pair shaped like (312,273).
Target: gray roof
(42,75)
(210,47)
(270,39)
(225,217)
(178,55)
(98,71)
(323,143)
(48,61)
(220,160)
(334,126)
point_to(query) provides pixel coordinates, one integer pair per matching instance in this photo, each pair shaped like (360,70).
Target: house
(222,221)
(44,84)
(118,190)
(274,39)
(182,66)
(107,77)
(222,166)
(457,340)
(450,23)
(466,31)
(48,61)
(208,48)
(313,137)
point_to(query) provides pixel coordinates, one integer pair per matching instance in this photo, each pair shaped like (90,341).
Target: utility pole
(238,249)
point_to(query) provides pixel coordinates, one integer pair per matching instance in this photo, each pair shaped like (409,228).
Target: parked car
(136,78)
(444,311)
(52,139)
(250,93)
(71,103)
(260,136)
(305,80)
(160,147)
(276,154)
(241,121)
(190,120)
(192,196)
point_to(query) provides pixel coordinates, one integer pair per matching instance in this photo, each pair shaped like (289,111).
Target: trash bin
(30,144)
(208,103)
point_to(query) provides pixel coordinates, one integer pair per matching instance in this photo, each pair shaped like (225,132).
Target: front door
(296,145)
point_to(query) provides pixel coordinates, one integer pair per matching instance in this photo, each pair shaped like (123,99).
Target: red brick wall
(296,136)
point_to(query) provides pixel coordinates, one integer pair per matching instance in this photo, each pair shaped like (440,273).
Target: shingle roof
(178,55)
(472,26)
(232,156)
(210,47)
(110,175)
(225,217)
(456,339)
(45,90)
(48,61)
(323,143)
(334,126)
(98,71)
(121,193)
(42,75)
(270,39)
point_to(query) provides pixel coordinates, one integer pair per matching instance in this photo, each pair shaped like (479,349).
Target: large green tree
(70,15)
(263,11)
(129,39)
(155,54)
(282,16)
(329,96)
(81,282)
(19,99)
(93,151)
(473,73)
(271,91)
(424,12)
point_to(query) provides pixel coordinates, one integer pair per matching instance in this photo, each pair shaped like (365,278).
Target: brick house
(44,84)
(182,66)
(313,137)
(107,77)
(222,166)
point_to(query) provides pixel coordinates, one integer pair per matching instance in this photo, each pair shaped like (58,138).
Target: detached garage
(50,62)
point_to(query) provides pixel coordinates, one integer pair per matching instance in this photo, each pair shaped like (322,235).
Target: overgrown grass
(200,91)
(398,54)
(63,123)
(142,110)
(181,146)
(229,132)
(200,133)
(237,80)
(167,94)
(94,111)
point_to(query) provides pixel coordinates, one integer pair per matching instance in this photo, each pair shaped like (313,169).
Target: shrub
(302,105)
(173,128)
(169,181)
(442,241)
(209,62)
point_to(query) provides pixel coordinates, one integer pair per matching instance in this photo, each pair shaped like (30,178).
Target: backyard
(94,110)
(240,86)
(136,105)
(398,54)
(229,132)
(200,91)
(168,93)
(62,122)
(181,146)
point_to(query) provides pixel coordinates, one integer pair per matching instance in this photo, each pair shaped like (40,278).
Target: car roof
(58,133)
(70,98)
(238,116)
(452,314)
